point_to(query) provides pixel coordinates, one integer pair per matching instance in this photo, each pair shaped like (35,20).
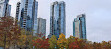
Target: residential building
(28,15)
(17,10)
(57,19)
(79,26)
(5,8)
(41,27)
(8,10)
(35,10)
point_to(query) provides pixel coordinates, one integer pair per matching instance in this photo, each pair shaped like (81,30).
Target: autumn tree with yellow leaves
(53,42)
(22,39)
(25,39)
(61,42)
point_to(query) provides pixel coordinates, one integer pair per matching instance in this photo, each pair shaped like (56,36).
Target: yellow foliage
(22,40)
(1,43)
(53,42)
(62,41)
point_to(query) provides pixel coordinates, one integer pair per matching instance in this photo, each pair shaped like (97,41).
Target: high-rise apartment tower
(5,8)
(27,15)
(57,19)
(41,27)
(79,26)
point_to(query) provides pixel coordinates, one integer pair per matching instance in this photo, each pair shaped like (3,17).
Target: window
(28,18)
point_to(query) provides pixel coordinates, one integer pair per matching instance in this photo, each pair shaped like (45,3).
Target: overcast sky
(98,16)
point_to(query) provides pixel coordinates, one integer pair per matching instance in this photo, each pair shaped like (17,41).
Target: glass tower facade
(5,8)
(57,19)
(41,26)
(35,10)
(8,10)
(28,15)
(79,27)
(17,10)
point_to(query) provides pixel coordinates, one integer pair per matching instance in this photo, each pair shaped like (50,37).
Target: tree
(70,40)
(82,43)
(61,42)
(25,39)
(89,44)
(53,42)
(29,40)
(22,40)
(15,35)
(40,43)
(5,25)
(9,31)
(105,45)
(74,44)
(96,45)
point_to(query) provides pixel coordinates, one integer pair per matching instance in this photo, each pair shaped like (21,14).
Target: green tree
(53,42)
(25,39)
